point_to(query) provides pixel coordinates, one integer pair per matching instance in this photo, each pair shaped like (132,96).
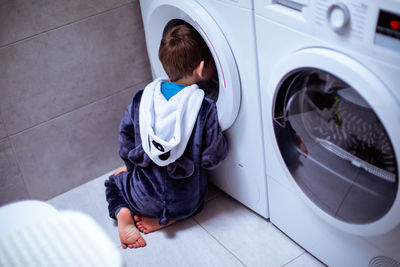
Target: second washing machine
(330,87)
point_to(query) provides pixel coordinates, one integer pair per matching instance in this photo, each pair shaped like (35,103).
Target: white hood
(166,126)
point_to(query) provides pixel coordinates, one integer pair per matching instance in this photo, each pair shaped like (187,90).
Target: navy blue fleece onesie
(172,192)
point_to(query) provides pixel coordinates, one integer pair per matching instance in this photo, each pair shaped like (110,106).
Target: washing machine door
(161,13)
(336,126)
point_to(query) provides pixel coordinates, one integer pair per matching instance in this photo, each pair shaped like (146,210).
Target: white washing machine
(330,90)
(228,29)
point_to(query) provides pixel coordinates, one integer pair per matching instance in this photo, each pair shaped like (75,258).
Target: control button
(338,16)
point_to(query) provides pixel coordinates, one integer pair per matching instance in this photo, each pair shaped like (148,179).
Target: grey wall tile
(72,149)
(61,70)
(12,186)
(3,132)
(23,18)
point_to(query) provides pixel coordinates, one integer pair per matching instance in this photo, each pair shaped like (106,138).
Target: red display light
(395,25)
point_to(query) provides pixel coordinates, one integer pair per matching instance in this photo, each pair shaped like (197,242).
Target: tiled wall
(68,69)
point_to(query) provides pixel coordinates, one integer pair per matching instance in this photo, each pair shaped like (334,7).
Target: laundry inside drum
(335,146)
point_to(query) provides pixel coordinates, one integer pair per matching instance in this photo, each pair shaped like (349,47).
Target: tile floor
(225,233)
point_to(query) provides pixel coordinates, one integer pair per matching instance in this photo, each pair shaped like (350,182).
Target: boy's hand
(120,170)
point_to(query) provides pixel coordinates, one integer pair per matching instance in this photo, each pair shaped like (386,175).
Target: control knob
(338,17)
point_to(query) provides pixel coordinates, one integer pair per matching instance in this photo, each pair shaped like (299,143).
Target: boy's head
(182,50)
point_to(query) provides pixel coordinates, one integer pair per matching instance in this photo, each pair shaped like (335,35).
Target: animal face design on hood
(166,125)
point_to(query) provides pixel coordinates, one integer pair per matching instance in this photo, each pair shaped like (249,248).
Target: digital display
(388,24)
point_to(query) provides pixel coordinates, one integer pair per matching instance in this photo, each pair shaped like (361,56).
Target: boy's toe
(142,242)
(137,218)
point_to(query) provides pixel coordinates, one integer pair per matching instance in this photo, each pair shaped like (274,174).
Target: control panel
(347,19)
(363,23)
(367,26)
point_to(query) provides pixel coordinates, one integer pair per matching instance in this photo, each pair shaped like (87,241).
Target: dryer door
(336,126)
(160,14)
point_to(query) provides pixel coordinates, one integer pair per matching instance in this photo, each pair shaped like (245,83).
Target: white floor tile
(182,244)
(254,240)
(305,260)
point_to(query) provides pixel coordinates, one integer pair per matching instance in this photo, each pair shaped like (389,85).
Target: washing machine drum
(225,88)
(335,146)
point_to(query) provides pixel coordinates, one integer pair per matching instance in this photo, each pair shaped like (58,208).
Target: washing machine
(227,27)
(330,91)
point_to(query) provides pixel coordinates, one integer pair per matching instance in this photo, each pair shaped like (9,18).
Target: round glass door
(335,146)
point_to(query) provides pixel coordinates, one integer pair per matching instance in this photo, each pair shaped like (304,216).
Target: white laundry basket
(33,233)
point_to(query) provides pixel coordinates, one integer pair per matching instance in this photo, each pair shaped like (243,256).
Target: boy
(169,135)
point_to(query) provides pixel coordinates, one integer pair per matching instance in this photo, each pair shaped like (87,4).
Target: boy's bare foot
(148,225)
(128,233)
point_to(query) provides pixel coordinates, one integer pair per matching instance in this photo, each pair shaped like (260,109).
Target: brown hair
(181,51)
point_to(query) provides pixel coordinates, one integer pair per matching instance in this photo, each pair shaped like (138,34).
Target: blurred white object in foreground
(33,233)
